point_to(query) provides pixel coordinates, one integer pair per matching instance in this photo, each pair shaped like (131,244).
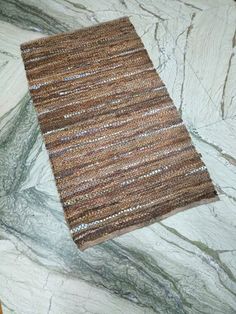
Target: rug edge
(123,231)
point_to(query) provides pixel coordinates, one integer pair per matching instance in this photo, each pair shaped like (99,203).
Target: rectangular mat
(121,155)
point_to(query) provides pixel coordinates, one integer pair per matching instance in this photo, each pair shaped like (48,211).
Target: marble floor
(186,263)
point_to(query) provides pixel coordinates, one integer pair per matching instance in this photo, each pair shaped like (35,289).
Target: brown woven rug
(121,155)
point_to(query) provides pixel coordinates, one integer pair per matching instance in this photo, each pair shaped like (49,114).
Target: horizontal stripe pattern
(121,155)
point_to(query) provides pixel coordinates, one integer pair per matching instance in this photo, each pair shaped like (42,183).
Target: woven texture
(121,155)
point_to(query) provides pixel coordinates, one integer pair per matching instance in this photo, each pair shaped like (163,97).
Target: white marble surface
(186,263)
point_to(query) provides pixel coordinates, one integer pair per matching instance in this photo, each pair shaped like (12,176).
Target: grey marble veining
(185,264)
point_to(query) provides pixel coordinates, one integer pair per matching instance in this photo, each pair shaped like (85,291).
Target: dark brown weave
(120,153)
